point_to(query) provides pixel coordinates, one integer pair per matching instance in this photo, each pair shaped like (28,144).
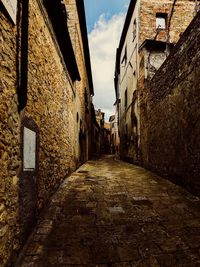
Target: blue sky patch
(94,8)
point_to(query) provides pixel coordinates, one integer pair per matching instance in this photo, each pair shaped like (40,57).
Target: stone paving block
(116,209)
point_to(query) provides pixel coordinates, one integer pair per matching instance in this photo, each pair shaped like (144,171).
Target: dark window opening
(124,59)
(134,29)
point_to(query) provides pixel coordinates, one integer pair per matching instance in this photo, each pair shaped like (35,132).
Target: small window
(125,99)
(134,29)
(161,21)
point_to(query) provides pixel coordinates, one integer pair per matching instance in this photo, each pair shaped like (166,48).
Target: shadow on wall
(28,191)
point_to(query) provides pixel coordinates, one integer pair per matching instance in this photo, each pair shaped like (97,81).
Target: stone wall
(82,87)
(171,117)
(9,139)
(55,109)
(50,105)
(142,20)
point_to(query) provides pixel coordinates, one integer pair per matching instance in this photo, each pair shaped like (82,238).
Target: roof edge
(83,26)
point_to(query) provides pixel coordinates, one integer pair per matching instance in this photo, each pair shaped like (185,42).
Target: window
(124,59)
(134,29)
(125,99)
(161,21)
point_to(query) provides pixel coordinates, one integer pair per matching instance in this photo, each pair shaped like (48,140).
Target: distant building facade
(151,29)
(104,132)
(114,135)
(96,135)
(45,105)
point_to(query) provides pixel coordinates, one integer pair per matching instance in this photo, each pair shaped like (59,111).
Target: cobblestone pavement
(113,214)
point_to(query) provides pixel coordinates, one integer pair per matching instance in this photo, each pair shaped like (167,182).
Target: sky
(105,19)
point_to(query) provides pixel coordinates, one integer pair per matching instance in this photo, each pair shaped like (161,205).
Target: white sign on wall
(11,7)
(29,150)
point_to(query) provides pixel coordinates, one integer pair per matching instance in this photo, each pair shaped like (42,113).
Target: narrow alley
(111,213)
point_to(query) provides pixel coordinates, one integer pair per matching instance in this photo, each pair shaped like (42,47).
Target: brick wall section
(179,19)
(171,119)
(9,140)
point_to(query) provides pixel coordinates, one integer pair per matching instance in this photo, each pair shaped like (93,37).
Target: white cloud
(103,41)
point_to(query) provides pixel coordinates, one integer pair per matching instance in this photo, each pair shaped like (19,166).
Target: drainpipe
(23,69)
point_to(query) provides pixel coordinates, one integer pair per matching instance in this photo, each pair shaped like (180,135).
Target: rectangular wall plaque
(29,150)
(11,7)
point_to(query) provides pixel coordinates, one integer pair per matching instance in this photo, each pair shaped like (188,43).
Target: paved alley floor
(113,214)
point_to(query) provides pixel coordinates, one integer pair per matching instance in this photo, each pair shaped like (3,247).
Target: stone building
(96,131)
(45,109)
(105,148)
(150,31)
(104,132)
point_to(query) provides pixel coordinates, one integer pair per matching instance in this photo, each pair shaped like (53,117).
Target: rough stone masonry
(171,115)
